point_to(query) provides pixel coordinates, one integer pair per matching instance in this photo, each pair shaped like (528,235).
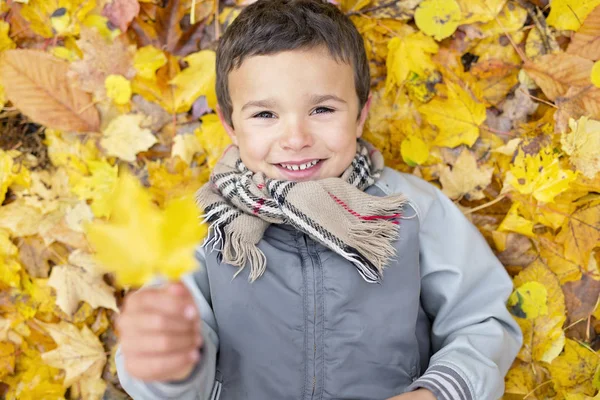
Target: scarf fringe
(238,250)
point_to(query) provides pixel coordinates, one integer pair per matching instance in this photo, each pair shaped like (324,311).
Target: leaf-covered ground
(494,101)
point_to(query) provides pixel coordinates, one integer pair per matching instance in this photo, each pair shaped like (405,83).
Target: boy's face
(295,114)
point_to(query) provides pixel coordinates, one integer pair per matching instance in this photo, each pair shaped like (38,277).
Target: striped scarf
(240,205)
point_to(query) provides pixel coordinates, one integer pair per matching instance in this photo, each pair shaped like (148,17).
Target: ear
(228,128)
(364,113)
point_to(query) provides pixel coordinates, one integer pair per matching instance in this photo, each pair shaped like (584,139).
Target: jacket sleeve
(199,385)
(464,289)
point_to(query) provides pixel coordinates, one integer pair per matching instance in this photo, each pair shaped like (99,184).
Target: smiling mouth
(299,167)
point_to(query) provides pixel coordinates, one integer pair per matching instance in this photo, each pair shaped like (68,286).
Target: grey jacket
(312,328)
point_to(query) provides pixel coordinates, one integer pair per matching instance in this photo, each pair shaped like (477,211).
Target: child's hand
(419,394)
(160,333)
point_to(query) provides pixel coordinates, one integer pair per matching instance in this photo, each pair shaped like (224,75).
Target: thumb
(177,288)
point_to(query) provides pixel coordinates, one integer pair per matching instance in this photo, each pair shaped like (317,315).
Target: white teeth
(301,167)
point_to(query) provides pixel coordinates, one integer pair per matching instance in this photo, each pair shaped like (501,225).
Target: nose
(296,137)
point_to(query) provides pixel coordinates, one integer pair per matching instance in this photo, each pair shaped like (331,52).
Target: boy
(304,210)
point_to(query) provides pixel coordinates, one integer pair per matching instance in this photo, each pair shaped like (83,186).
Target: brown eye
(323,110)
(264,114)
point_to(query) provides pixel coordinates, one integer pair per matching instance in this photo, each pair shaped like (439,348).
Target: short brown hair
(272,26)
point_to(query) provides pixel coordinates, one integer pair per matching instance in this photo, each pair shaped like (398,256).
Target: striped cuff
(444,382)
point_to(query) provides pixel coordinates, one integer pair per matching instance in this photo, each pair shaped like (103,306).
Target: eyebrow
(270,103)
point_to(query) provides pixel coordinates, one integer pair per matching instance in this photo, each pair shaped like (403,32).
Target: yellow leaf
(438,18)
(213,138)
(101,24)
(141,242)
(11,174)
(572,370)
(64,53)
(414,151)
(118,88)
(353,5)
(569,14)
(7,358)
(595,76)
(147,60)
(580,233)
(480,10)
(79,352)
(457,117)
(185,146)
(411,53)
(539,175)
(124,137)
(74,284)
(543,336)
(198,79)
(6,42)
(513,222)
(97,186)
(583,145)
(34,380)
(465,178)
(529,300)
(62,17)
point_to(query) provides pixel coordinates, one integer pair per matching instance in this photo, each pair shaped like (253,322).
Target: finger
(159,344)
(163,302)
(154,368)
(154,322)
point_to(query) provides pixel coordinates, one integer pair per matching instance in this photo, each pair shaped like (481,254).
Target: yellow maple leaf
(480,10)
(438,18)
(213,138)
(198,79)
(34,379)
(411,53)
(580,234)
(513,222)
(465,178)
(185,146)
(11,174)
(569,14)
(583,145)
(140,241)
(79,352)
(97,186)
(539,175)
(118,88)
(74,284)
(124,138)
(457,117)
(147,60)
(6,42)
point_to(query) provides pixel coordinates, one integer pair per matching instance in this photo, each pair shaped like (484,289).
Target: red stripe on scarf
(257,208)
(364,217)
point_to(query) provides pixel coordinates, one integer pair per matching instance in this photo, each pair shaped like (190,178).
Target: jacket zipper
(314,382)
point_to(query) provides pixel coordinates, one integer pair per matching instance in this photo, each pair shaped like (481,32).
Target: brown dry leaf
(166,32)
(581,297)
(79,352)
(586,41)
(556,73)
(36,83)
(74,284)
(121,12)
(578,101)
(36,257)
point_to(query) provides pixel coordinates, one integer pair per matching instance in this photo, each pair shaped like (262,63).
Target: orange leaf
(586,42)
(555,73)
(37,85)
